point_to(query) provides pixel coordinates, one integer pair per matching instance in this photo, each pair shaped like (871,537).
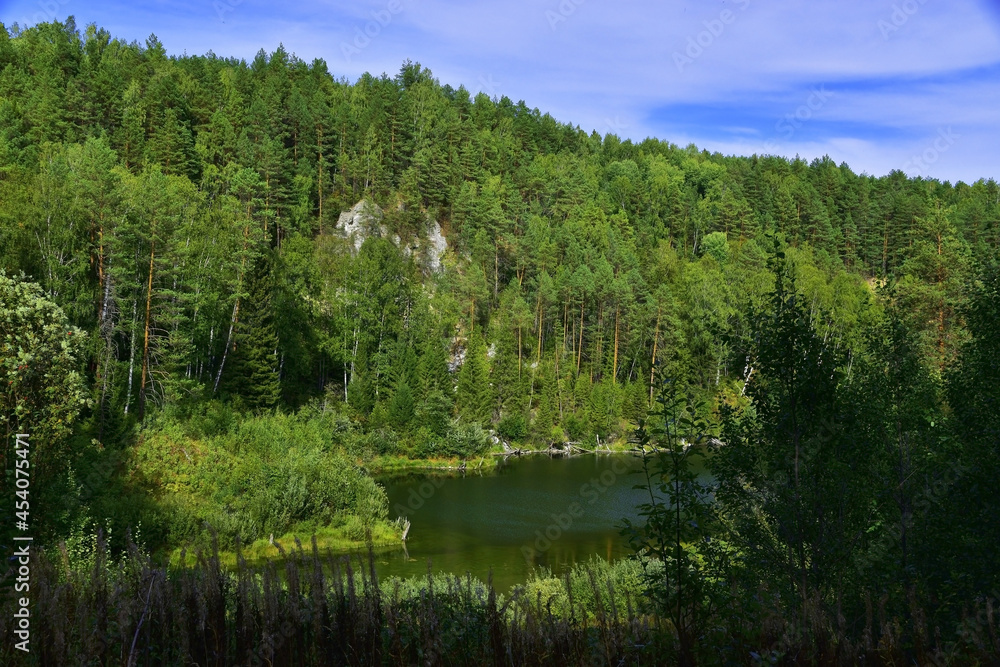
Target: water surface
(533,511)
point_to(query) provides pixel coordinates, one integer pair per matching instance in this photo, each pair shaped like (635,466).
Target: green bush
(465,440)
(576,427)
(598,587)
(513,428)
(264,476)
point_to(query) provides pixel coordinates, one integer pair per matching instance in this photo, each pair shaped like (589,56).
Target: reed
(314,608)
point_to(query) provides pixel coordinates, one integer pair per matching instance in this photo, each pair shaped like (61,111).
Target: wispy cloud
(610,66)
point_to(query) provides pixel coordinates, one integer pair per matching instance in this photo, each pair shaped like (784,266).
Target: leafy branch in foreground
(680,520)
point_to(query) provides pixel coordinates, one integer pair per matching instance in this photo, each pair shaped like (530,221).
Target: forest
(230,290)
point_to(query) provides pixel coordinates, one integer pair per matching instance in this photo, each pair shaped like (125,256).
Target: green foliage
(788,466)
(401,406)
(513,427)
(181,217)
(685,566)
(716,246)
(205,195)
(254,372)
(965,518)
(474,400)
(590,590)
(262,476)
(43,388)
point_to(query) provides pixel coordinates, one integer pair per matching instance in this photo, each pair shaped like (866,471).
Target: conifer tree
(547,413)
(254,376)
(401,406)
(474,392)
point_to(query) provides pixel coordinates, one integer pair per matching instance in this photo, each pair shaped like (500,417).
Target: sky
(878,84)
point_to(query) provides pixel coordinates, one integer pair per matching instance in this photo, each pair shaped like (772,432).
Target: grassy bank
(314,609)
(334,539)
(391,463)
(251,478)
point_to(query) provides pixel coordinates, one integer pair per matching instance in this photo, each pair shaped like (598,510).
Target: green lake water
(533,511)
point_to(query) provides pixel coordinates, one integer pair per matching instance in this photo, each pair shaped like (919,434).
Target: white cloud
(610,65)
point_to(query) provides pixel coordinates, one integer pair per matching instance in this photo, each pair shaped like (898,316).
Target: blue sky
(880,84)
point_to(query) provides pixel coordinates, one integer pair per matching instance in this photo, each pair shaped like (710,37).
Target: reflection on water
(534,511)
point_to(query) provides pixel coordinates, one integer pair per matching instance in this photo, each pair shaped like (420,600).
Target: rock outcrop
(437,244)
(361,222)
(366,220)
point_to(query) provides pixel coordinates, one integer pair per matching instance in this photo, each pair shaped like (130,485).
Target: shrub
(513,428)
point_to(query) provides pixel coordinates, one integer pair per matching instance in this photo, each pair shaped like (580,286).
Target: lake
(533,511)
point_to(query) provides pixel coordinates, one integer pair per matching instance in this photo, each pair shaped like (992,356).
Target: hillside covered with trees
(240,359)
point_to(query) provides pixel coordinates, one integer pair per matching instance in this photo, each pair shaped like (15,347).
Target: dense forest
(245,282)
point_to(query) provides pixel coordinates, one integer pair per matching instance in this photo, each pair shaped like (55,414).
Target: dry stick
(135,637)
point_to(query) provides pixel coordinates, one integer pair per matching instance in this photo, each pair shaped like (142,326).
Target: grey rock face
(437,244)
(362,221)
(366,219)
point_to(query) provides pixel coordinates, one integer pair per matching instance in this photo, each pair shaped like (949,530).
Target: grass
(398,463)
(312,609)
(342,539)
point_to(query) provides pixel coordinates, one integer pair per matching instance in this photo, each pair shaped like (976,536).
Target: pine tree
(474,392)
(171,146)
(548,409)
(254,376)
(401,406)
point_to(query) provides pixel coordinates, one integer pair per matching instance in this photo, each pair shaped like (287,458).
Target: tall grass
(314,609)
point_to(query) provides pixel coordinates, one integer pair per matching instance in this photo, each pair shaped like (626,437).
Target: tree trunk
(614,359)
(145,339)
(319,180)
(652,363)
(131,356)
(236,305)
(538,356)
